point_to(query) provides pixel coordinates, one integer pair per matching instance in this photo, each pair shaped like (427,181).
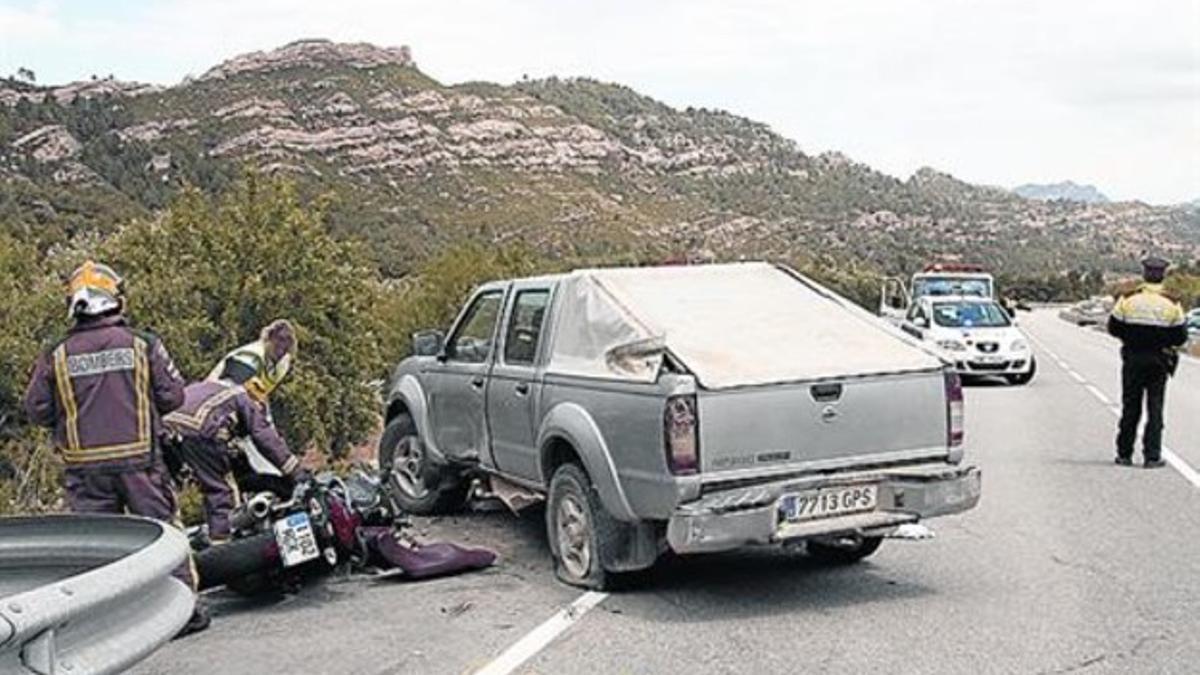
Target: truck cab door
(893,300)
(458,383)
(514,390)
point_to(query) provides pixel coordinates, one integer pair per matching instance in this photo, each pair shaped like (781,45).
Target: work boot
(199,621)
(1123,461)
(1154,464)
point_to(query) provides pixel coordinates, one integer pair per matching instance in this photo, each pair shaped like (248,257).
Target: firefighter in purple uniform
(220,412)
(103,390)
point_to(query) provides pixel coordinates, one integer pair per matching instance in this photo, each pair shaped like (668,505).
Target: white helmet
(93,289)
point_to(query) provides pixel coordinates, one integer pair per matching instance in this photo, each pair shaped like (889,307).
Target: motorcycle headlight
(1020,345)
(952,345)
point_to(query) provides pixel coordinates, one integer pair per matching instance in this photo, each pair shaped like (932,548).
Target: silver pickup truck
(690,408)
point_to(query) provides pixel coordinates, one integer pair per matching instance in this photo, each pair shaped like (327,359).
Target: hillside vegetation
(566,166)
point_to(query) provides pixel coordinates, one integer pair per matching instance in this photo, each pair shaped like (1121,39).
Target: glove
(301,475)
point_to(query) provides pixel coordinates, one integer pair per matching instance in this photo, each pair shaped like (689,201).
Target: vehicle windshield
(969,286)
(970,315)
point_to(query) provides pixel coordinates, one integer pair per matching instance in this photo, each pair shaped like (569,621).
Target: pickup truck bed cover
(732,325)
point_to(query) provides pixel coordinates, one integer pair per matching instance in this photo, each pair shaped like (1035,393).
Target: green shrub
(432,298)
(213,271)
(30,311)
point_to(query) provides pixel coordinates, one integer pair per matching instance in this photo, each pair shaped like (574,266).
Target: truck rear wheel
(843,551)
(578,528)
(415,483)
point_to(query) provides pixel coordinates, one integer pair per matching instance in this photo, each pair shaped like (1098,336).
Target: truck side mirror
(921,322)
(428,343)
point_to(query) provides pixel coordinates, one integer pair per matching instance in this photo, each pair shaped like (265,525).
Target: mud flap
(421,561)
(631,546)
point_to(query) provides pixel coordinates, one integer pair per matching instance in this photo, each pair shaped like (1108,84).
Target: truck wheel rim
(407,467)
(574,540)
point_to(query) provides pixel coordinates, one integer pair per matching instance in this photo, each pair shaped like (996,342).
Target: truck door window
(525,326)
(472,341)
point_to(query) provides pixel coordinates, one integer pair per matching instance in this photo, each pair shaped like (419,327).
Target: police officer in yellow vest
(1151,326)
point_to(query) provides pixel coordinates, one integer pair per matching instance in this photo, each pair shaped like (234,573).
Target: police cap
(1155,263)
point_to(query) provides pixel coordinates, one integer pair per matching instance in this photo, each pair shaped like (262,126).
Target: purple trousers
(143,492)
(212,467)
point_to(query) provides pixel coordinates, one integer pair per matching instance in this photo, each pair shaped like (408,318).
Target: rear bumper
(749,515)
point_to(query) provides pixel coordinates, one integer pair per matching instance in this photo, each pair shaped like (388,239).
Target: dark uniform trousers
(1143,380)
(212,467)
(145,493)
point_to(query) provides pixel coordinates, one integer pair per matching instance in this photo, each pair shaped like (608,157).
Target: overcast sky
(994,91)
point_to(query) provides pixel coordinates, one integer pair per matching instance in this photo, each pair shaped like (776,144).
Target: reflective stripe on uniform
(104,453)
(234,490)
(195,420)
(289,467)
(141,385)
(66,396)
(98,363)
(1149,307)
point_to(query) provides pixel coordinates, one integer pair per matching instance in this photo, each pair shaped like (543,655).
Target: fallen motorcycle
(328,522)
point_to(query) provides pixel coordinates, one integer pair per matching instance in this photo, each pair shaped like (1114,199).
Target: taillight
(954,410)
(680,435)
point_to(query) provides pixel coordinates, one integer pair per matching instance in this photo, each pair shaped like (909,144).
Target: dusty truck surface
(690,408)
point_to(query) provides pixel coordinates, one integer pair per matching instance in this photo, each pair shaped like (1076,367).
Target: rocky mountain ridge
(569,166)
(1064,190)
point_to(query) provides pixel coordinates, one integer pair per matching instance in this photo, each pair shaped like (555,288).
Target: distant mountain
(567,166)
(1066,190)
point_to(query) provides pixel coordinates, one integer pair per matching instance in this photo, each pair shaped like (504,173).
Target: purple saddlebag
(420,561)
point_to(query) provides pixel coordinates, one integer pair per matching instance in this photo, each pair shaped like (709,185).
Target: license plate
(828,502)
(990,359)
(297,543)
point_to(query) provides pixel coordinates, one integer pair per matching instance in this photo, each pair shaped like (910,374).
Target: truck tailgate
(763,431)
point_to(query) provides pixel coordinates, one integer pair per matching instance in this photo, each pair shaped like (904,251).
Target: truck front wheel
(578,528)
(415,483)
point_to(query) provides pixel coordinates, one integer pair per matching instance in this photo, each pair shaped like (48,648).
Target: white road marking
(537,639)
(1173,460)
(1097,393)
(1181,466)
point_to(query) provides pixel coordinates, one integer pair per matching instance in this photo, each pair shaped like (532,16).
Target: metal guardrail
(88,594)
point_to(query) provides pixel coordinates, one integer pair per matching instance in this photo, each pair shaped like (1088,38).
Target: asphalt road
(1070,564)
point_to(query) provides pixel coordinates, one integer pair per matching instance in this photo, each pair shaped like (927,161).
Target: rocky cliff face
(563,164)
(312,54)
(10,94)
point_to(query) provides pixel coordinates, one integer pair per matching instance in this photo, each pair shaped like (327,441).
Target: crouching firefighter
(219,415)
(103,389)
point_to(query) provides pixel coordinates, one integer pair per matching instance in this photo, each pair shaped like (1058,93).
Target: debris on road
(458,609)
(912,531)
